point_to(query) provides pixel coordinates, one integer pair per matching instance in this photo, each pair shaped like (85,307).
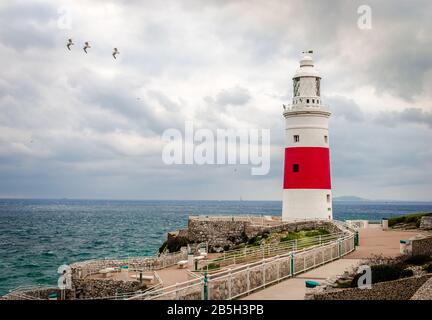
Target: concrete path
(375,241)
(294,288)
(173,275)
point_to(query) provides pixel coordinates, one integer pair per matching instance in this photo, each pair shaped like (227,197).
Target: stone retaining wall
(402,289)
(100,288)
(224,234)
(421,246)
(37,293)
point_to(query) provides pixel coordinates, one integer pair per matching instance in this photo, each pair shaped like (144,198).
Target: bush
(265,235)
(174,244)
(409,218)
(212,266)
(428,268)
(417,260)
(382,273)
(255,241)
(314,233)
(290,236)
(406,273)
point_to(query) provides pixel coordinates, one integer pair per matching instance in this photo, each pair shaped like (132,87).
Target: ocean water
(37,236)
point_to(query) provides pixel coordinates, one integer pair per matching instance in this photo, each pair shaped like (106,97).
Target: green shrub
(314,233)
(212,266)
(409,218)
(265,235)
(174,244)
(344,284)
(382,273)
(255,241)
(406,273)
(428,268)
(417,260)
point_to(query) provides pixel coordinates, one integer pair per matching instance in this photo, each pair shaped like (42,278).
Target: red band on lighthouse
(307,168)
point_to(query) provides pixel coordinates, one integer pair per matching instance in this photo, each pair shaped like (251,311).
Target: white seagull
(115,52)
(86,46)
(70,43)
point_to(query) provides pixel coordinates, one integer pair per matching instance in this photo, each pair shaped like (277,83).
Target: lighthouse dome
(306,61)
(306,68)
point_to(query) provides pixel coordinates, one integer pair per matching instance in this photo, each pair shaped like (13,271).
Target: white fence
(231,284)
(84,269)
(251,253)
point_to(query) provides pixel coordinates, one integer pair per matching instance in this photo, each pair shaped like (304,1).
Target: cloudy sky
(88,126)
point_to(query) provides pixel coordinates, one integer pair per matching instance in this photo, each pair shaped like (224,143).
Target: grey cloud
(344,107)
(235,96)
(70,105)
(408,115)
(25,25)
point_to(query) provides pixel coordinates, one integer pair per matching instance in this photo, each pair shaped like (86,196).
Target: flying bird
(70,43)
(86,46)
(115,52)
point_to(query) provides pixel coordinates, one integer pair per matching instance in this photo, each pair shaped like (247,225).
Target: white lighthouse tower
(307,182)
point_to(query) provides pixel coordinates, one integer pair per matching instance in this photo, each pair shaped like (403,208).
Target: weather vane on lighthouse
(307,182)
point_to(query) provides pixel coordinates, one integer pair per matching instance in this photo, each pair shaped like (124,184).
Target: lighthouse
(307,182)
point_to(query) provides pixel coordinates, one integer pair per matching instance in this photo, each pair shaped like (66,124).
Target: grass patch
(212,266)
(304,234)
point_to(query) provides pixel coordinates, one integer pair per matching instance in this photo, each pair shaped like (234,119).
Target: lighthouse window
(295,168)
(325,139)
(328,198)
(296,138)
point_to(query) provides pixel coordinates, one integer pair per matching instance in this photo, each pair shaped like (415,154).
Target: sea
(37,236)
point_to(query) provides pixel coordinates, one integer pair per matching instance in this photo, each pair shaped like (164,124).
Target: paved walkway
(373,241)
(294,288)
(173,275)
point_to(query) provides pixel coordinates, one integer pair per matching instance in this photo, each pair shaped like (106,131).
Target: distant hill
(349,198)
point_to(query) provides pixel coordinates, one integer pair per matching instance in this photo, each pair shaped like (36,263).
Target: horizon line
(232,200)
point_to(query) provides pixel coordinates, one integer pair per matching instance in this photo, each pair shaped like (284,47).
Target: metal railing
(91,267)
(251,253)
(244,279)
